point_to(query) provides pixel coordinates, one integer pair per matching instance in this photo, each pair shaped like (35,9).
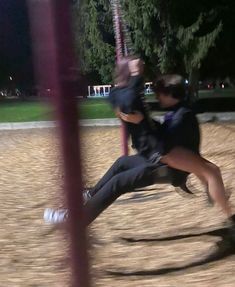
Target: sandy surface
(144,239)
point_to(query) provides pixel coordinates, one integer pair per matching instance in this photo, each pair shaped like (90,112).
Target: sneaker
(55,216)
(58,216)
(86,196)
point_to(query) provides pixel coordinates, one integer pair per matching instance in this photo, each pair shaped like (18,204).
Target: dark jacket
(180,128)
(130,99)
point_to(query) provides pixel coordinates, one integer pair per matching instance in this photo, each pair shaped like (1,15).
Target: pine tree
(169,44)
(169,36)
(220,62)
(94,38)
(194,48)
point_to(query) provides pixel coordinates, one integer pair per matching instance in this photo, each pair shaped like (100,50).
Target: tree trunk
(193,82)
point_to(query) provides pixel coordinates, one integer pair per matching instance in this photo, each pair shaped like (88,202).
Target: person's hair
(170,85)
(122,72)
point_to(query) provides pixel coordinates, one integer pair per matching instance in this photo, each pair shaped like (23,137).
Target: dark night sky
(15,47)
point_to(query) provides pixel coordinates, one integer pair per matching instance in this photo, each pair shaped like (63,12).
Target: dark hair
(122,72)
(171,85)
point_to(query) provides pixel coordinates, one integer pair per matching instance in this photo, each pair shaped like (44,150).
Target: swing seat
(179,179)
(164,174)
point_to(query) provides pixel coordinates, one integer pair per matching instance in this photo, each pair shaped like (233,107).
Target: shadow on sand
(223,249)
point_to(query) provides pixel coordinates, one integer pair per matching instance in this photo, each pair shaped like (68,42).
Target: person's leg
(209,173)
(121,164)
(117,176)
(119,184)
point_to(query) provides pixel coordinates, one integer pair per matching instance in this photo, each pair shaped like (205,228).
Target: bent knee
(212,170)
(215,169)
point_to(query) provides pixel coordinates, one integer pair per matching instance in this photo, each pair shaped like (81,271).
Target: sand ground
(153,238)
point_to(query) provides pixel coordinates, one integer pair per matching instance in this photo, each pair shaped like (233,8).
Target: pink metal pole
(120,48)
(54,60)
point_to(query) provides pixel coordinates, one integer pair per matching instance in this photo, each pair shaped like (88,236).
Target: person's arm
(126,99)
(136,69)
(134,118)
(136,83)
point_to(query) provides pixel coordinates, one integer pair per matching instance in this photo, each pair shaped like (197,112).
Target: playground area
(151,238)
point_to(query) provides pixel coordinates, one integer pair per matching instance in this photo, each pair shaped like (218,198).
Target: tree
(94,38)
(220,62)
(170,36)
(159,32)
(194,49)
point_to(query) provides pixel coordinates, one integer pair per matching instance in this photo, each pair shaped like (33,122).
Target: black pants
(126,174)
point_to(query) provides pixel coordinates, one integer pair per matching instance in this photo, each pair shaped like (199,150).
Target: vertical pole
(54,60)
(119,38)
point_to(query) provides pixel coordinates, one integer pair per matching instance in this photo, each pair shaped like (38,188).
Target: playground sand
(133,243)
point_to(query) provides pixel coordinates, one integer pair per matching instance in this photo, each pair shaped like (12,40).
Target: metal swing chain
(122,35)
(117,28)
(128,45)
(124,44)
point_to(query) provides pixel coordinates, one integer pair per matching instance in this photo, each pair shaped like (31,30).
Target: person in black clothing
(177,145)
(181,142)
(127,97)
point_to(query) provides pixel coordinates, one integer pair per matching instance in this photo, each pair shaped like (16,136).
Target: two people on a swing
(175,142)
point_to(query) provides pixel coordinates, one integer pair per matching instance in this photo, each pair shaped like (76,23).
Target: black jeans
(126,174)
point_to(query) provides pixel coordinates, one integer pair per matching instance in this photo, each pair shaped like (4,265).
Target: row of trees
(187,37)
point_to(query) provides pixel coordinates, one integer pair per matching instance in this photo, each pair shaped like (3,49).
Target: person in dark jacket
(178,141)
(181,139)
(127,97)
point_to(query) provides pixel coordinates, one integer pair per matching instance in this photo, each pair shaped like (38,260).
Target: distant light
(208,86)
(222,86)
(186,81)
(10,78)
(48,90)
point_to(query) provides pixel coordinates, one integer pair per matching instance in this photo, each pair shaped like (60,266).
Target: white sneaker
(86,196)
(55,216)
